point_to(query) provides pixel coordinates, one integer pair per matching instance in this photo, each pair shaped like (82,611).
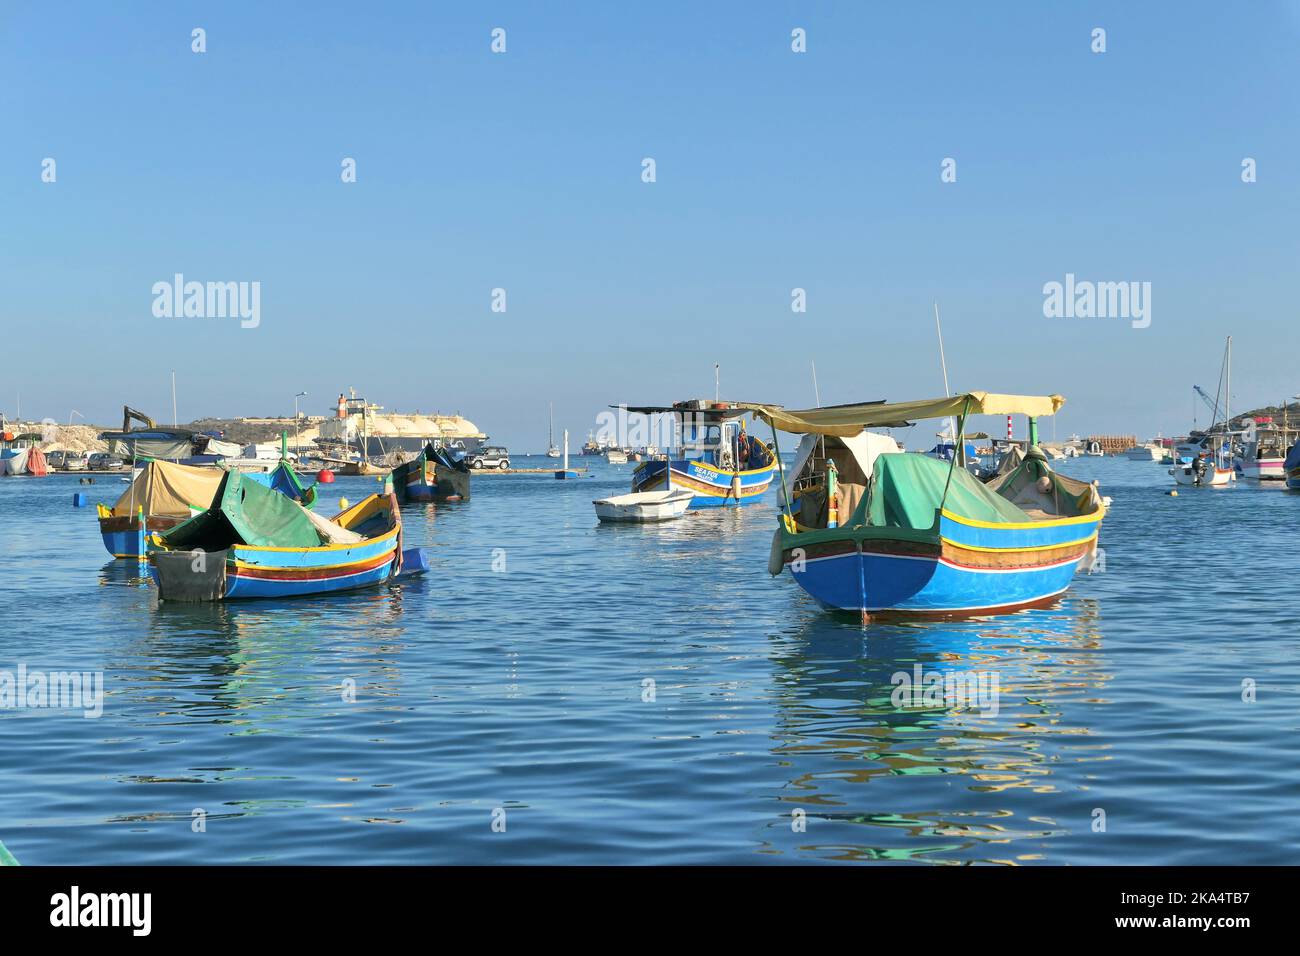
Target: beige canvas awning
(165,488)
(848,420)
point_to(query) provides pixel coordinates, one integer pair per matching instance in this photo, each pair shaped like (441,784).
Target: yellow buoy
(343,504)
(1173,492)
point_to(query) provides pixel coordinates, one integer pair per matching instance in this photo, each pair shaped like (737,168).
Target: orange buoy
(325,476)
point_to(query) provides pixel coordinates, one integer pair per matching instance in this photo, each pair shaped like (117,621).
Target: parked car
(494,456)
(74,461)
(103,461)
(55,459)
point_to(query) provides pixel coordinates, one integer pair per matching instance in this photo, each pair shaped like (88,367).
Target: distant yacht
(551,450)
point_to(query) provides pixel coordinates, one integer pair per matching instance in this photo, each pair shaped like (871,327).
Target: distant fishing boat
(432,475)
(253,542)
(552,449)
(616,456)
(1205,459)
(19,454)
(1147,451)
(912,535)
(284,479)
(719,463)
(1263,450)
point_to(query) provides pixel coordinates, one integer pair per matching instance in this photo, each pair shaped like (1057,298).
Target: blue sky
(522,171)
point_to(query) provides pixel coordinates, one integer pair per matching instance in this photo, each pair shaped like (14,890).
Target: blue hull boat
(923,537)
(720,464)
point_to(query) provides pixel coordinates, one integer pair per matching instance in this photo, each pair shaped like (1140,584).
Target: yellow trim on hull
(1049,523)
(1032,547)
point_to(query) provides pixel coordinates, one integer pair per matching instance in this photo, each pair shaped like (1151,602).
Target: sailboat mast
(958,447)
(1227,401)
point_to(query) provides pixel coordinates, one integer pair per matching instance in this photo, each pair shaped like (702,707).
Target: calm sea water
(514,676)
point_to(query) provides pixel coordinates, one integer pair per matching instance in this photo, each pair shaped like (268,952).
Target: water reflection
(252,663)
(933,782)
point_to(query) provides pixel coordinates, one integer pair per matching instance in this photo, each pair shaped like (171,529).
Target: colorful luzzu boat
(720,464)
(162,496)
(432,475)
(254,542)
(923,537)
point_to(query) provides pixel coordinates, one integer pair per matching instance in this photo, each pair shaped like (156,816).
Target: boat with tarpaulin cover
(904,534)
(717,461)
(166,494)
(254,542)
(162,496)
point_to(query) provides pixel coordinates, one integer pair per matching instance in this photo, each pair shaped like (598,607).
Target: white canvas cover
(225,449)
(333,533)
(864,447)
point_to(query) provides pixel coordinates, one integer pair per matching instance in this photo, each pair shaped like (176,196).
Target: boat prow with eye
(878,531)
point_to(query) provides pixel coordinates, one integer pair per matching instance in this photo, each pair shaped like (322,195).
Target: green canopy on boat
(908,488)
(246,512)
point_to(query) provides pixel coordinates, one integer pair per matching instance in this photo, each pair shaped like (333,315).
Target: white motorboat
(644,506)
(616,456)
(1149,451)
(1211,476)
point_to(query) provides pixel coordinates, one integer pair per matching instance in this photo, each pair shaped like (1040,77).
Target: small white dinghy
(643,506)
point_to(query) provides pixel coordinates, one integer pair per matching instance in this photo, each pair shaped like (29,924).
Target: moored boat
(1263,450)
(253,542)
(1292,467)
(432,475)
(164,494)
(716,460)
(644,506)
(927,538)
(1147,451)
(1202,471)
